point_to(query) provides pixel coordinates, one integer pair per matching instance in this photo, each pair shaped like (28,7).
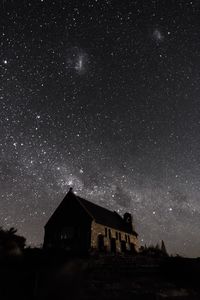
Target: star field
(102,96)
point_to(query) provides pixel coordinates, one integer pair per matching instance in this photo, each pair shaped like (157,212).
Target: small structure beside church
(80,226)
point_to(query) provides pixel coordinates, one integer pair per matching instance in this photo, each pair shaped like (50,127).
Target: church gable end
(69,226)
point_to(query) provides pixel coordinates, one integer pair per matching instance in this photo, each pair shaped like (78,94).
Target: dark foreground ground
(40,275)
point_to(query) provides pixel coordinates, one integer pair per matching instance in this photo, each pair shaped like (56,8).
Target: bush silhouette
(11,243)
(154,251)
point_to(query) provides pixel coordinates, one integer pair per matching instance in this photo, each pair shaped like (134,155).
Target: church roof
(98,213)
(104,216)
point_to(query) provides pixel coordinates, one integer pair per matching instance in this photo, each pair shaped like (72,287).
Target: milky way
(102,96)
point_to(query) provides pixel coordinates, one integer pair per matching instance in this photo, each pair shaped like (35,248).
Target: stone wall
(98,229)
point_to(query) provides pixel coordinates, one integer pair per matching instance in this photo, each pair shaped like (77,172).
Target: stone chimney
(128,220)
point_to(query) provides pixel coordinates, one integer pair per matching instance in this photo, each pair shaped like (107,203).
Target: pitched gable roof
(104,216)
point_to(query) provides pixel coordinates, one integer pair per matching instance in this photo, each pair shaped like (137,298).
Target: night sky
(103,96)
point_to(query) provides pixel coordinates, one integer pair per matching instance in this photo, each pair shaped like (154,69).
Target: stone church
(81,226)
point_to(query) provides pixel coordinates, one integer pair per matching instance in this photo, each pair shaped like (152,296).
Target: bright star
(70,182)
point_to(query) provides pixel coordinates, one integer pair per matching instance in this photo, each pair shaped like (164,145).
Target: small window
(128,239)
(116,235)
(109,233)
(120,236)
(106,232)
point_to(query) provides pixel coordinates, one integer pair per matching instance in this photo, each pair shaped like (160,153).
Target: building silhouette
(80,226)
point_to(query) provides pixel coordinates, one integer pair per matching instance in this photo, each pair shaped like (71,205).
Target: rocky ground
(41,276)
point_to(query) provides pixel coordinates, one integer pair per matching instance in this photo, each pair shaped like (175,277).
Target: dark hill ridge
(147,278)
(52,275)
